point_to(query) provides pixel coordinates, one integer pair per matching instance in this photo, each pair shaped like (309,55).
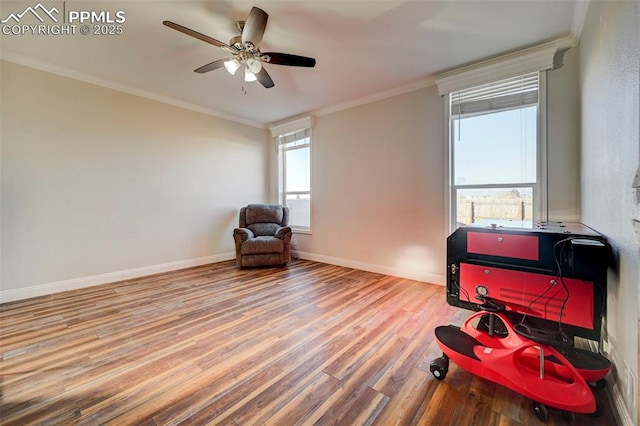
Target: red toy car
(540,365)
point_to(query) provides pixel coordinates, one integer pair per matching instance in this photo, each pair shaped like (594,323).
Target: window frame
(282,174)
(539,188)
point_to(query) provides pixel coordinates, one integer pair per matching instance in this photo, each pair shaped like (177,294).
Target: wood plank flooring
(308,344)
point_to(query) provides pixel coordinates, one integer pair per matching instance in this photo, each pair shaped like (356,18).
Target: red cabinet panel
(505,245)
(537,295)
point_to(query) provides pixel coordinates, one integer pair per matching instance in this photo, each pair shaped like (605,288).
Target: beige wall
(97,181)
(106,181)
(379,179)
(609,73)
(378,187)
(563,140)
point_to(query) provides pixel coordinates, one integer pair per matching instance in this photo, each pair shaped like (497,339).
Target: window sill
(301,231)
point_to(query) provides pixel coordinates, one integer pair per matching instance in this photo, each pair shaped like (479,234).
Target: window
(496,146)
(495,156)
(295,177)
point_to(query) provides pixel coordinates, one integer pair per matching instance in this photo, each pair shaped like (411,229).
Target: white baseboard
(616,398)
(109,277)
(620,407)
(380,269)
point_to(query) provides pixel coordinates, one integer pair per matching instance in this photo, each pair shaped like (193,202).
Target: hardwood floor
(309,344)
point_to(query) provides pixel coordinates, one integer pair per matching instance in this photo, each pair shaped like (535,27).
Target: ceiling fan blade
(264,78)
(254,27)
(199,36)
(212,66)
(291,60)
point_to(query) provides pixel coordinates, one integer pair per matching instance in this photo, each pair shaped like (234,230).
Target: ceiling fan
(245,50)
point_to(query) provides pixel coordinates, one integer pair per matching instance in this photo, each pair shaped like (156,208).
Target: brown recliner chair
(263,237)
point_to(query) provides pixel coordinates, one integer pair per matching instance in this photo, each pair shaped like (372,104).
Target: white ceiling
(363,48)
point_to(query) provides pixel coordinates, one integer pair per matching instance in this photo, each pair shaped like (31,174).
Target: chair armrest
(282,232)
(242,234)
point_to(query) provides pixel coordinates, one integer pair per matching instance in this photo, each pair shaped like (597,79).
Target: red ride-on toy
(541,365)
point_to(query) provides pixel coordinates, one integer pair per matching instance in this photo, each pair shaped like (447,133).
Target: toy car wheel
(600,384)
(439,367)
(541,411)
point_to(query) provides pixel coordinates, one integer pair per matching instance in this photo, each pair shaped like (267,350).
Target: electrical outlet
(294,240)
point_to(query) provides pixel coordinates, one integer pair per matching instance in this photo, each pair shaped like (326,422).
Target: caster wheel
(600,384)
(541,411)
(569,417)
(439,367)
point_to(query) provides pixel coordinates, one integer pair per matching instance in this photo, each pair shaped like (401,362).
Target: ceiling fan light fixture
(254,65)
(248,75)
(245,50)
(232,65)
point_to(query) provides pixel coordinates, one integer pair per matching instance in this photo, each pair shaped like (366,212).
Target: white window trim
(540,188)
(283,129)
(282,179)
(291,126)
(542,200)
(537,58)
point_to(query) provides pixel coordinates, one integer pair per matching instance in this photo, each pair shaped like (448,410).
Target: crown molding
(536,58)
(290,126)
(420,84)
(91,79)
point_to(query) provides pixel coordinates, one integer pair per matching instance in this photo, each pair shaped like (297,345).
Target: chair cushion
(262,244)
(263,213)
(261,229)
